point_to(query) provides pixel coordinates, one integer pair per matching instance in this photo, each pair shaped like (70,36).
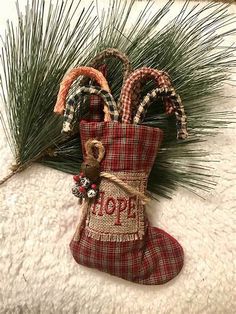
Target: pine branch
(35,55)
(39,50)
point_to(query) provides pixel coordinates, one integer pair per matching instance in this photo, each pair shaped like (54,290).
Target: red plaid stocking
(117,237)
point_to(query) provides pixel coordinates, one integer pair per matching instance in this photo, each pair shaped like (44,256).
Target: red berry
(76,178)
(82,189)
(81,175)
(94,186)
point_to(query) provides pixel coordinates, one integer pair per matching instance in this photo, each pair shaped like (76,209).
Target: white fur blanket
(39,275)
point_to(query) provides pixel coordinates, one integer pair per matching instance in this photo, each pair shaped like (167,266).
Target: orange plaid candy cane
(70,78)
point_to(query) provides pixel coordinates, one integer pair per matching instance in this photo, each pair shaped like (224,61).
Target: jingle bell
(91,193)
(85,182)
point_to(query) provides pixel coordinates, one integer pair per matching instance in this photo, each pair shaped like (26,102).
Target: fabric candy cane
(74,101)
(107,54)
(95,101)
(130,92)
(70,78)
(176,104)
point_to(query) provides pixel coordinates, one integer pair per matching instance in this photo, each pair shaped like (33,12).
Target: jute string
(128,188)
(93,143)
(89,149)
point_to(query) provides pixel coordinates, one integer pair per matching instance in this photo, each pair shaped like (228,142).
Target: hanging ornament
(114,218)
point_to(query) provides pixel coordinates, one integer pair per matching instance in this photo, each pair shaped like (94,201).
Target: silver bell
(91,193)
(85,182)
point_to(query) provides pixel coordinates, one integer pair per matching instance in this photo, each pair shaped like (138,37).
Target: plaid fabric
(130,93)
(128,147)
(96,108)
(71,113)
(73,102)
(176,103)
(156,257)
(152,261)
(96,103)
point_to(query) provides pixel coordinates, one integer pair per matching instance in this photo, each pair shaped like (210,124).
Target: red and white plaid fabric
(130,94)
(154,260)
(156,257)
(96,103)
(128,147)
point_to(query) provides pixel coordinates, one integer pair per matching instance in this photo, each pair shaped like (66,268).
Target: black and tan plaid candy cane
(88,90)
(100,59)
(130,92)
(176,103)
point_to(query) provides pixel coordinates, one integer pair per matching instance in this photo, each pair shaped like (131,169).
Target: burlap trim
(113,237)
(124,220)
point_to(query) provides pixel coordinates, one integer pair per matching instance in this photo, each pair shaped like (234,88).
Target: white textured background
(39,275)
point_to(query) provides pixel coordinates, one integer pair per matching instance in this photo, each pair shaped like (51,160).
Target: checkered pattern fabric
(130,93)
(96,103)
(156,257)
(96,112)
(153,260)
(71,113)
(122,144)
(176,103)
(73,102)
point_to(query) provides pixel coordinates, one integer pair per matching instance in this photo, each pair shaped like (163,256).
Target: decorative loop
(86,182)
(75,100)
(90,145)
(176,105)
(131,90)
(70,78)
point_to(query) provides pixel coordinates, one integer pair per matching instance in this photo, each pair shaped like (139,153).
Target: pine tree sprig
(40,49)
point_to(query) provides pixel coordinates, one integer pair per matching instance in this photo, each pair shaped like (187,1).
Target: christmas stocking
(114,234)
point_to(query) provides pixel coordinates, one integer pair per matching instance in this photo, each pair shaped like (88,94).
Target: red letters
(99,201)
(122,204)
(110,205)
(131,206)
(115,206)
